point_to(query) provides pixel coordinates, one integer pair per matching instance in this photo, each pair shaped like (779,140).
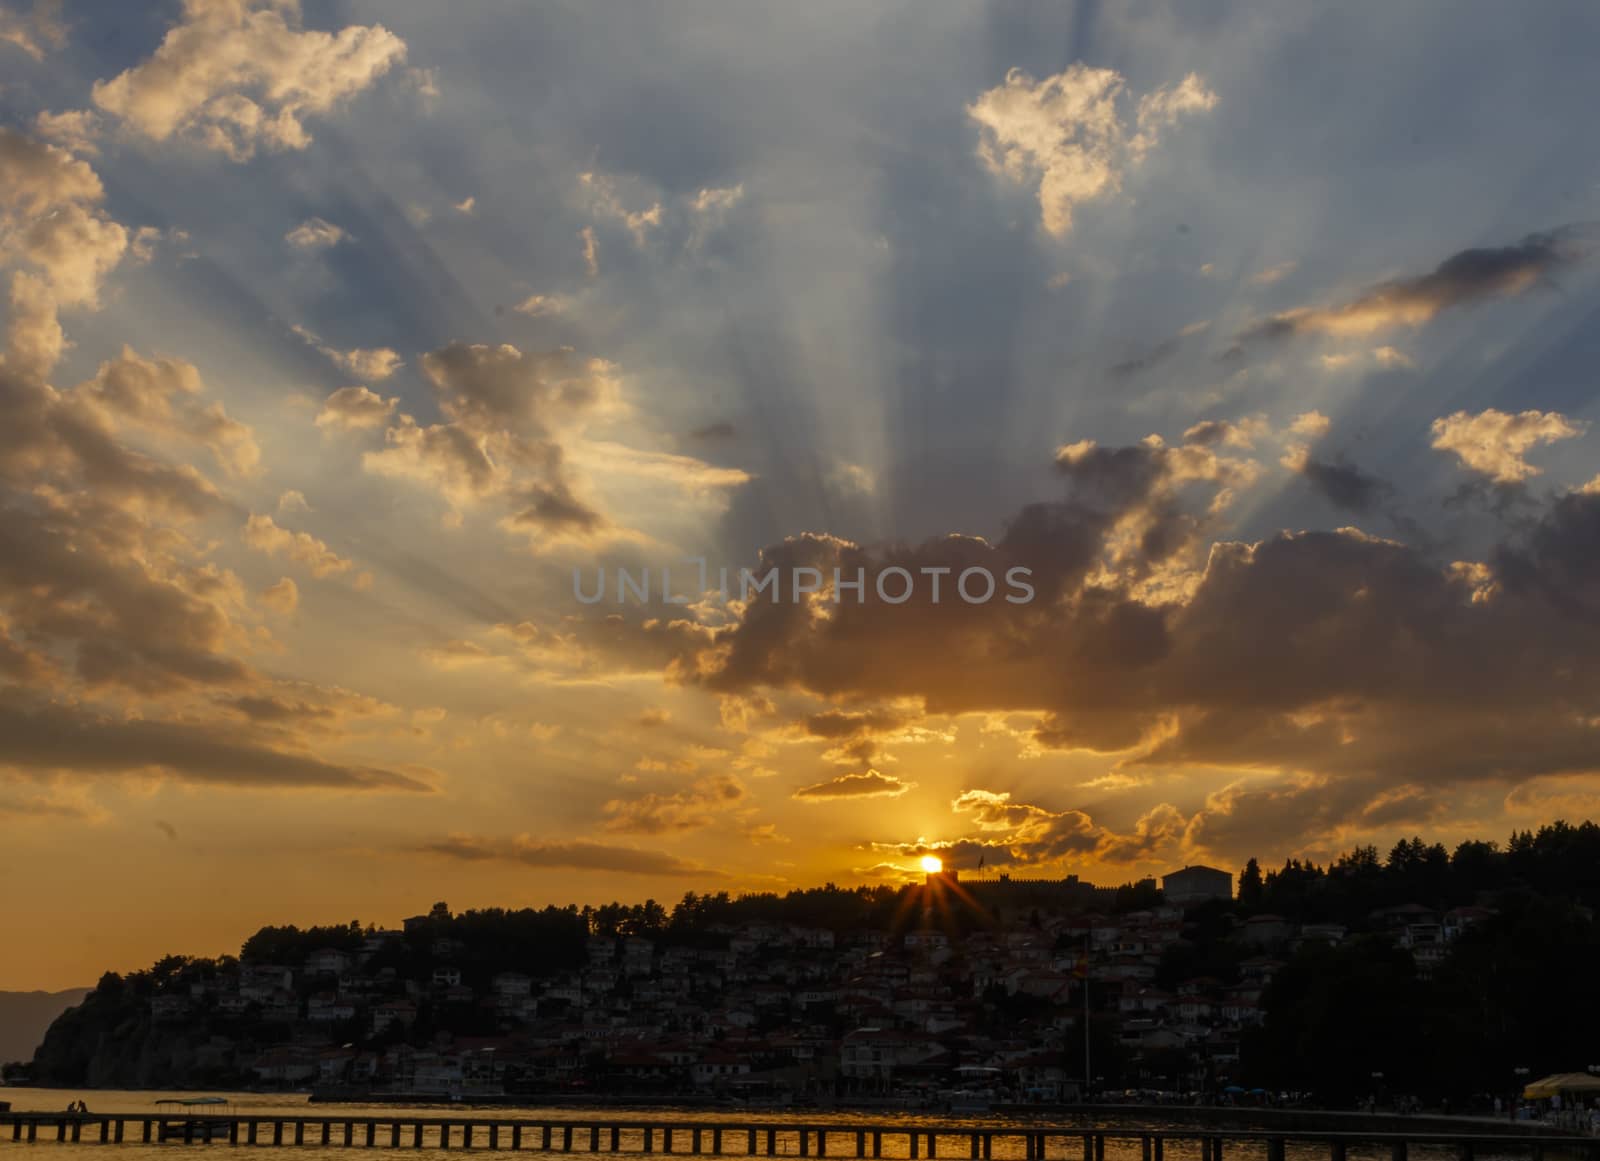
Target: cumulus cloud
(1326,664)
(871,784)
(1068,135)
(120,634)
(1493,443)
(59,242)
(1146,494)
(263,534)
(374,364)
(1014,833)
(282,596)
(160,395)
(235,75)
(355,409)
(1239,433)
(34,176)
(74,130)
(695,806)
(508,418)
(315,234)
(292,502)
(1311,425)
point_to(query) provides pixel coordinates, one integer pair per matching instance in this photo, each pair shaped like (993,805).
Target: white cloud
(238,74)
(1493,442)
(847,479)
(1311,424)
(693,475)
(608,202)
(1161,109)
(74,130)
(263,534)
(292,502)
(591,250)
(315,234)
(373,364)
(355,409)
(1066,133)
(1273,274)
(718,200)
(161,395)
(283,596)
(536,305)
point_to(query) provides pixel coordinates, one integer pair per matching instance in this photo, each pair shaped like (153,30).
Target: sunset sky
(337,334)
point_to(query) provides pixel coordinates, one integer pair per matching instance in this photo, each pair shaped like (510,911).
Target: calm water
(290,1104)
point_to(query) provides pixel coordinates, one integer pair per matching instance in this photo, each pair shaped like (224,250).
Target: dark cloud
(1019,834)
(36,808)
(577,856)
(869,785)
(1154,356)
(504,411)
(80,573)
(1557,559)
(1465,277)
(553,506)
(857,735)
(46,736)
(1345,486)
(303,706)
(1355,663)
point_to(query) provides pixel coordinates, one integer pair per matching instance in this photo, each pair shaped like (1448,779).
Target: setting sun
(932,864)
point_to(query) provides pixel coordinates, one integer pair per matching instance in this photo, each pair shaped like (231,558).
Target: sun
(932,864)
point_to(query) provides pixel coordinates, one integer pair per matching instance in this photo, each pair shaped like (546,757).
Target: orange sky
(333,351)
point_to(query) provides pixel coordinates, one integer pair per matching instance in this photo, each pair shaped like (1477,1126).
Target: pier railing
(933,1142)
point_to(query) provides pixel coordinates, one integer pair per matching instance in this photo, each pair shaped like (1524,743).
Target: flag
(980,861)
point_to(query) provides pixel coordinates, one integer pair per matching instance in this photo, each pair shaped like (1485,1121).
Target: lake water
(894,1148)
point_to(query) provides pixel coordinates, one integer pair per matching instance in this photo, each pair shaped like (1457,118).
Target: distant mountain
(24,1016)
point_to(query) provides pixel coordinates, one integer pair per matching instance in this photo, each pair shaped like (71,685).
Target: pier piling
(688,1138)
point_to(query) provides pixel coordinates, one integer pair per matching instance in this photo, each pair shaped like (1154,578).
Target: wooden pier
(933,1142)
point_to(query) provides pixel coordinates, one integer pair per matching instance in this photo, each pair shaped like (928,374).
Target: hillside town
(947,993)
